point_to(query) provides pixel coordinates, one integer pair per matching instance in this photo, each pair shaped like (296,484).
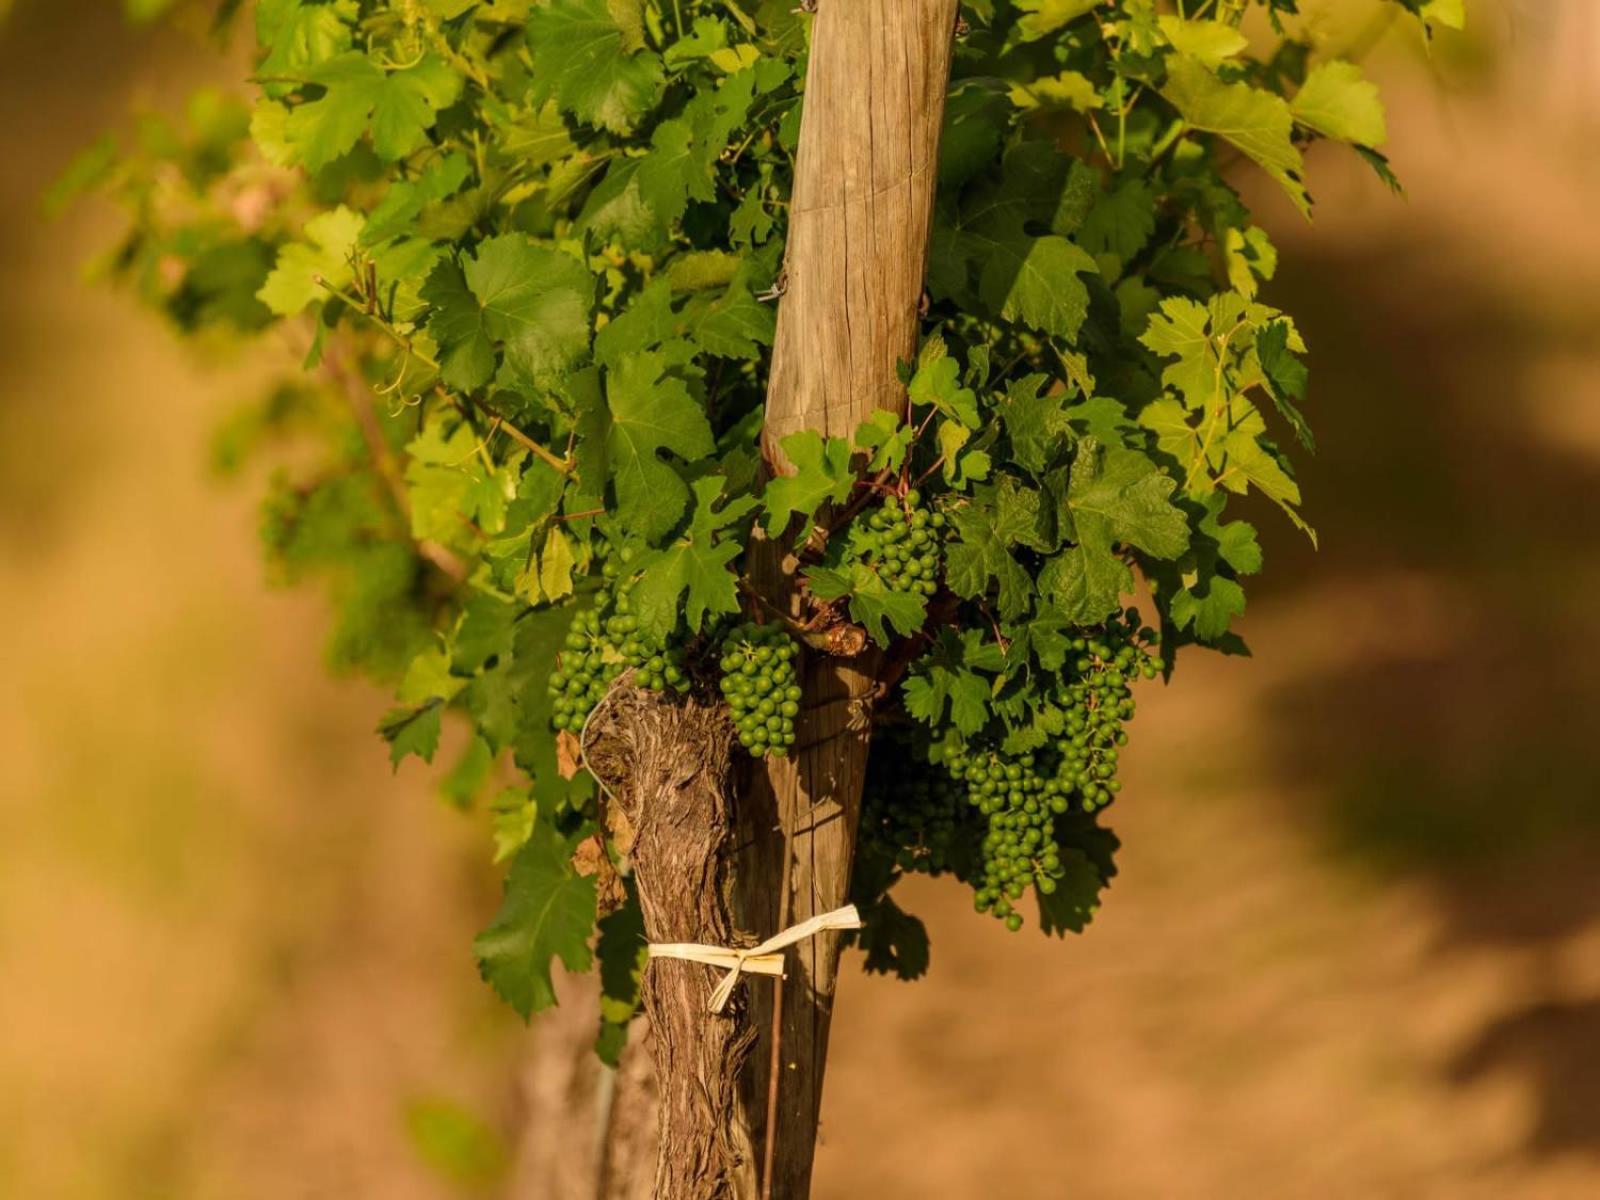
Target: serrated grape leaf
(1086,581)
(732,325)
(675,171)
(938,382)
(873,603)
(1034,281)
(1256,121)
(1250,255)
(1022,516)
(1076,900)
(1125,495)
(397,212)
(512,817)
(1041,18)
(1209,42)
(1121,221)
(399,107)
(1286,377)
(1010,232)
(975,117)
(1068,89)
(484,631)
(1116,496)
(822,475)
(1437,14)
(647,412)
(1381,168)
(449,485)
(886,437)
(978,557)
(1337,100)
(536,647)
(581,57)
(689,580)
(1106,420)
(412,730)
(296,36)
(529,302)
(1181,329)
(1036,422)
(292,285)
(945,677)
(548,913)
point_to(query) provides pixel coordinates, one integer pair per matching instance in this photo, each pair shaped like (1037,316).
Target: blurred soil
(1354,950)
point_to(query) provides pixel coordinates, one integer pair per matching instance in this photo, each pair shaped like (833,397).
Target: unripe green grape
(759,684)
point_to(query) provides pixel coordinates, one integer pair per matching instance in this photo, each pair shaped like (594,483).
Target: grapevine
(604,642)
(528,254)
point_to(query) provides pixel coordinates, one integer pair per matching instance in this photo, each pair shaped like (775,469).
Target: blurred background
(1354,948)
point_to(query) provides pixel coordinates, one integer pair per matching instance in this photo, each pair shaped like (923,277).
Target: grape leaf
(1205,595)
(647,412)
(580,57)
(689,580)
(1209,42)
(946,677)
(978,558)
(1115,496)
(413,730)
(528,301)
(1125,497)
(1121,221)
(1076,900)
(292,286)
(1337,100)
(938,382)
(1043,17)
(1256,121)
(873,603)
(623,953)
(822,475)
(399,107)
(548,913)
(1034,281)
(1036,422)
(1286,377)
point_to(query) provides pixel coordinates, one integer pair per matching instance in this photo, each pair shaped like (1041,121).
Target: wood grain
(856,260)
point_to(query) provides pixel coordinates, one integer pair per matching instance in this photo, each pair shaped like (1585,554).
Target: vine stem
(360,401)
(366,309)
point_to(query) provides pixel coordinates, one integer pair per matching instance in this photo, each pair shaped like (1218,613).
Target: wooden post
(860,218)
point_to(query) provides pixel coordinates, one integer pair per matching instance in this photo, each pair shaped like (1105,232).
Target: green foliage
(548,913)
(520,248)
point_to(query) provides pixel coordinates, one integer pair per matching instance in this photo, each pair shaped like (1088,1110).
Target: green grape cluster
(913,815)
(604,641)
(761,687)
(1021,802)
(1098,700)
(1021,796)
(904,542)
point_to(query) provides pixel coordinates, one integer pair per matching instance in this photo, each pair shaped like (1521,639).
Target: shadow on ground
(1463,755)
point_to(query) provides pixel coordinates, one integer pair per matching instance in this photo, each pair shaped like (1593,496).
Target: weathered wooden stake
(856,260)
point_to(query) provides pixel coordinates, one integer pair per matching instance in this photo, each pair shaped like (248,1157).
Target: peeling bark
(668,763)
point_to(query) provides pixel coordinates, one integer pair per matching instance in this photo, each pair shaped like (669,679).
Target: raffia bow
(765,959)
